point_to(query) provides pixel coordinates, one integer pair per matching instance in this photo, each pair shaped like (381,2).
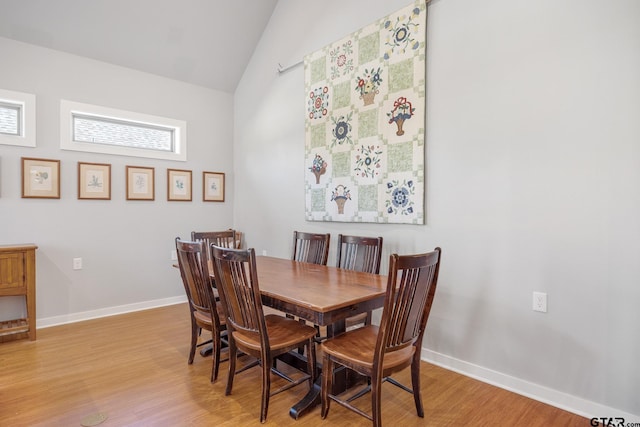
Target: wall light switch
(77,263)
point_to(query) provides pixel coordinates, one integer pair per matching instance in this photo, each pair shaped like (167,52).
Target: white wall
(125,245)
(533,183)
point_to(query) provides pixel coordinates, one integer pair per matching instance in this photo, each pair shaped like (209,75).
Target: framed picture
(213,186)
(178,185)
(94,181)
(140,183)
(40,178)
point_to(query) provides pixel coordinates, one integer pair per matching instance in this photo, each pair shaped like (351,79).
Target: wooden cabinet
(18,277)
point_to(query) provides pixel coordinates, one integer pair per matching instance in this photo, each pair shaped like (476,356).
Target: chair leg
(327,376)
(215,354)
(194,340)
(266,389)
(376,401)
(232,364)
(415,383)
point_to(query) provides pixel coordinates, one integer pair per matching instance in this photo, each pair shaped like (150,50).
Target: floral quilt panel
(365,123)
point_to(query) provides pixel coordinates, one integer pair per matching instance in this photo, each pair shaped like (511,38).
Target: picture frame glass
(213,186)
(178,185)
(140,183)
(94,181)
(40,178)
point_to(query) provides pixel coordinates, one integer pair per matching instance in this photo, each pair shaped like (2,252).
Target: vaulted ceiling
(203,42)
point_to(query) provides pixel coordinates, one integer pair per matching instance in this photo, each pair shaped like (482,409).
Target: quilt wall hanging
(365,123)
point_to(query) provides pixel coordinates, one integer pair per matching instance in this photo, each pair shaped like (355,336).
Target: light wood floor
(133,367)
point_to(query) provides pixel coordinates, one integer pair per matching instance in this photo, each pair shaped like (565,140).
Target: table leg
(208,347)
(206,351)
(308,402)
(312,398)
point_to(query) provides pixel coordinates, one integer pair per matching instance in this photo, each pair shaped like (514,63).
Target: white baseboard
(534,391)
(108,311)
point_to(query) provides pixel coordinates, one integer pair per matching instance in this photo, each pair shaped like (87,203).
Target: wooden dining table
(320,294)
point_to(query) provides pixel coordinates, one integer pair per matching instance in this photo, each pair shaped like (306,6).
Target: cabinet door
(12,273)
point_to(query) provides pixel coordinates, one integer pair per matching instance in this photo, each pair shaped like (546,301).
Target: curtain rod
(282,69)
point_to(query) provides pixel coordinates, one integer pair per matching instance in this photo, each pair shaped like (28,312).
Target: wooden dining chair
(360,254)
(378,352)
(204,312)
(311,247)
(262,336)
(226,238)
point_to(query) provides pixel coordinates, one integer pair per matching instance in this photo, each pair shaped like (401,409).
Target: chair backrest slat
(411,286)
(311,247)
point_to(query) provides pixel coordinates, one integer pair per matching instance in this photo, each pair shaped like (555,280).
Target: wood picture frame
(179,185)
(213,186)
(40,178)
(94,181)
(140,183)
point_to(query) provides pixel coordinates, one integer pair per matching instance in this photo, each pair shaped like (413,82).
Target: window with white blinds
(10,118)
(17,118)
(98,129)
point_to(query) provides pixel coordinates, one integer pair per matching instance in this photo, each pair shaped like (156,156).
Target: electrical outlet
(174,255)
(77,263)
(540,302)
(264,252)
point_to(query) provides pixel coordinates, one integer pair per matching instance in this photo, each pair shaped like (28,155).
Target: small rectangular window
(10,118)
(97,129)
(17,118)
